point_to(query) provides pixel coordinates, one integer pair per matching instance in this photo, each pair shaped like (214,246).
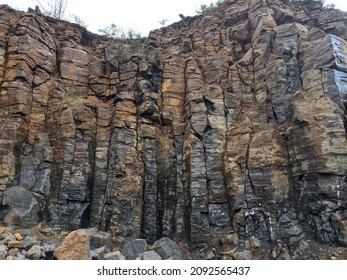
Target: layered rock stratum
(227,127)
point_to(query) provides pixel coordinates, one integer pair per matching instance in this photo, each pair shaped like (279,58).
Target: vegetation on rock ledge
(207,9)
(126,42)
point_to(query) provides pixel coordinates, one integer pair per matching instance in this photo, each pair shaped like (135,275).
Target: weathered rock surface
(83,244)
(34,253)
(167,249)
(134,248)
(233,122)
(74,247)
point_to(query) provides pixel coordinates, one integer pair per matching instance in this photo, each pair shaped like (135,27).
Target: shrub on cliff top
(126,42)
(207,9)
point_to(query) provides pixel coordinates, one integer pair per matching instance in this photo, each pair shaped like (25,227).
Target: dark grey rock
(34,253)
(134,248)
(29,242)
(24,207)
(98,254)
(25,231)
(8,237)
(301,247)
(219,214)
(294,230)
(49,248)
(99,239)
(167,248)
(3,254)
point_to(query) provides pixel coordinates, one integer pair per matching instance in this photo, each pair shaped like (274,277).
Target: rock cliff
(228,125)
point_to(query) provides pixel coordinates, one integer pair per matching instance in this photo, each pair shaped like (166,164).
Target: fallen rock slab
(167,248)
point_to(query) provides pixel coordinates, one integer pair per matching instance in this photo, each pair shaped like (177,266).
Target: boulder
(35,253)
(15,244)
(29,242)
(98,254)
(82,244)
(134,248)
(166,248)
(24,207)
(74,247)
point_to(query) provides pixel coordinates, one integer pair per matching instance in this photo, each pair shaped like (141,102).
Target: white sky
(141,15)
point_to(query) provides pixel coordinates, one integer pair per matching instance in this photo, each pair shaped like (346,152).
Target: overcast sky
(141,15)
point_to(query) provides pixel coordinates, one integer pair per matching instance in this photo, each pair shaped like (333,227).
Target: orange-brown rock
(15,244)
(2,230)
(74,247)
(18,236)
(78,244)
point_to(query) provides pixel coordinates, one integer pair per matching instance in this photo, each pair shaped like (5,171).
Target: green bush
(125,42)
(207,9)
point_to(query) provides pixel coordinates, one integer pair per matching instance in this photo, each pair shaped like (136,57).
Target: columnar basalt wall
(229,122)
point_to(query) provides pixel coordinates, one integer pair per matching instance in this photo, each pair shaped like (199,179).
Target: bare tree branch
(53,8)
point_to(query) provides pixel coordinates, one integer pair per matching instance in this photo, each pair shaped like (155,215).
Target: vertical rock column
(30,61)
(194,156)
(126,218)
(214,139)
(318,137)
(103,81)
(73,174)
(204,148)
(172,191)
(4,152)
(149,132)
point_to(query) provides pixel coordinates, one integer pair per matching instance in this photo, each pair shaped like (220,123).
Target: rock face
(234,121)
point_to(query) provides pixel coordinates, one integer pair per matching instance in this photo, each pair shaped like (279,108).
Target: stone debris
(74,247)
